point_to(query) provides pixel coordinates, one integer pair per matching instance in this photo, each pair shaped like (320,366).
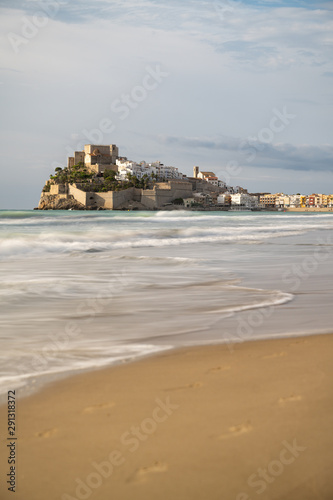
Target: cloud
(258,35)
(230,64)
(282,155)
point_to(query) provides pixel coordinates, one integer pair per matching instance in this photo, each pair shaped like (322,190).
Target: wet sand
(197,423)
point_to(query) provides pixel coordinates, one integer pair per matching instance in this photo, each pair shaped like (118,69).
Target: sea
(82,290)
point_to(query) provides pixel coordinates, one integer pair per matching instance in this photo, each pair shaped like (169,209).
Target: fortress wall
(112,200)
(80,196)
(182,190)
(103,200)
(58,189)
(178,190)
(163,185)
(54,189)
(165,193)
(137,194)
(78,157)
(120,197)
(96,168)
(205,187)
(148,198)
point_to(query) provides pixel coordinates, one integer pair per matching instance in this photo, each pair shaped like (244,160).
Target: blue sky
(228,71)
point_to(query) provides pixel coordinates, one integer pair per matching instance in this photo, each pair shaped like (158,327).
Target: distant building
(268,200)
(142,169)
(188,202)
(206,175)
(96,158)
(244,200)
(295,200)
(224,199)
(282,201)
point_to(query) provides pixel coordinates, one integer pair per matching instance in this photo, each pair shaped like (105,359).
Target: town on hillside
(97,178)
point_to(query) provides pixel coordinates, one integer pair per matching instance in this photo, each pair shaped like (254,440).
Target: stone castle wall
(80,196)
(160,195)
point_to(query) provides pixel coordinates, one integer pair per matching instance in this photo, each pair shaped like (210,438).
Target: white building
(126,167)
(282,200)
(295,200)
(224,199)
(244,199)
(209,177)
(166,172)
(188,202)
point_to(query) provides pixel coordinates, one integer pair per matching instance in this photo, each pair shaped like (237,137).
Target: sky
(240,88)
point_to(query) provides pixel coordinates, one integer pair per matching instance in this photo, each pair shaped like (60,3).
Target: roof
(208,174)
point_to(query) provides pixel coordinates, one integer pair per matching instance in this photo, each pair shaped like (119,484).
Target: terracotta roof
(208,174)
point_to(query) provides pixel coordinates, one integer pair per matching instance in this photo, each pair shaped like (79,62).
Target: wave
(55,244)
(84,236)
(277,298)
(33,217)
(102,356)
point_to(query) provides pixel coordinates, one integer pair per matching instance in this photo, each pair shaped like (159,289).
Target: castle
(95,158)
(97,178)
(101,159)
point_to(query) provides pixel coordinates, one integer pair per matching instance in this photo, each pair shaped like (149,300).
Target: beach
(243,421)
(166,355)
(86,290)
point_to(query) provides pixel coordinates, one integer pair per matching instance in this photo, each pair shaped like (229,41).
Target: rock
(56,202)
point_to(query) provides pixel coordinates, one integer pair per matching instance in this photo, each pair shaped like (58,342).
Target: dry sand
(197,423)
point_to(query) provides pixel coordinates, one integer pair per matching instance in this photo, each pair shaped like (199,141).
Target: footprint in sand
(46,434)
(275,355)
(102,406)
(237,430)
(195,385)
(290,399)
(142,474)
(299,342)
(219,369)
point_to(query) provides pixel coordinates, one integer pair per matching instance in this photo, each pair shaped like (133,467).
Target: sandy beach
(195,423)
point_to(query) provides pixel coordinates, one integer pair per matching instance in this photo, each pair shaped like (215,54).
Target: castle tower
(195,172)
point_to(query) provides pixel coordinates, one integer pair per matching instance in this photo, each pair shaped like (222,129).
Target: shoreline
(187,209)
(307,209)
(196,422)
(48,380)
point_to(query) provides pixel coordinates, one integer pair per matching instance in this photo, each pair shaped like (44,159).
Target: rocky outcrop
(58,202)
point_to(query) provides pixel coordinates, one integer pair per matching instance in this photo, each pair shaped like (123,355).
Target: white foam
(103,356)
